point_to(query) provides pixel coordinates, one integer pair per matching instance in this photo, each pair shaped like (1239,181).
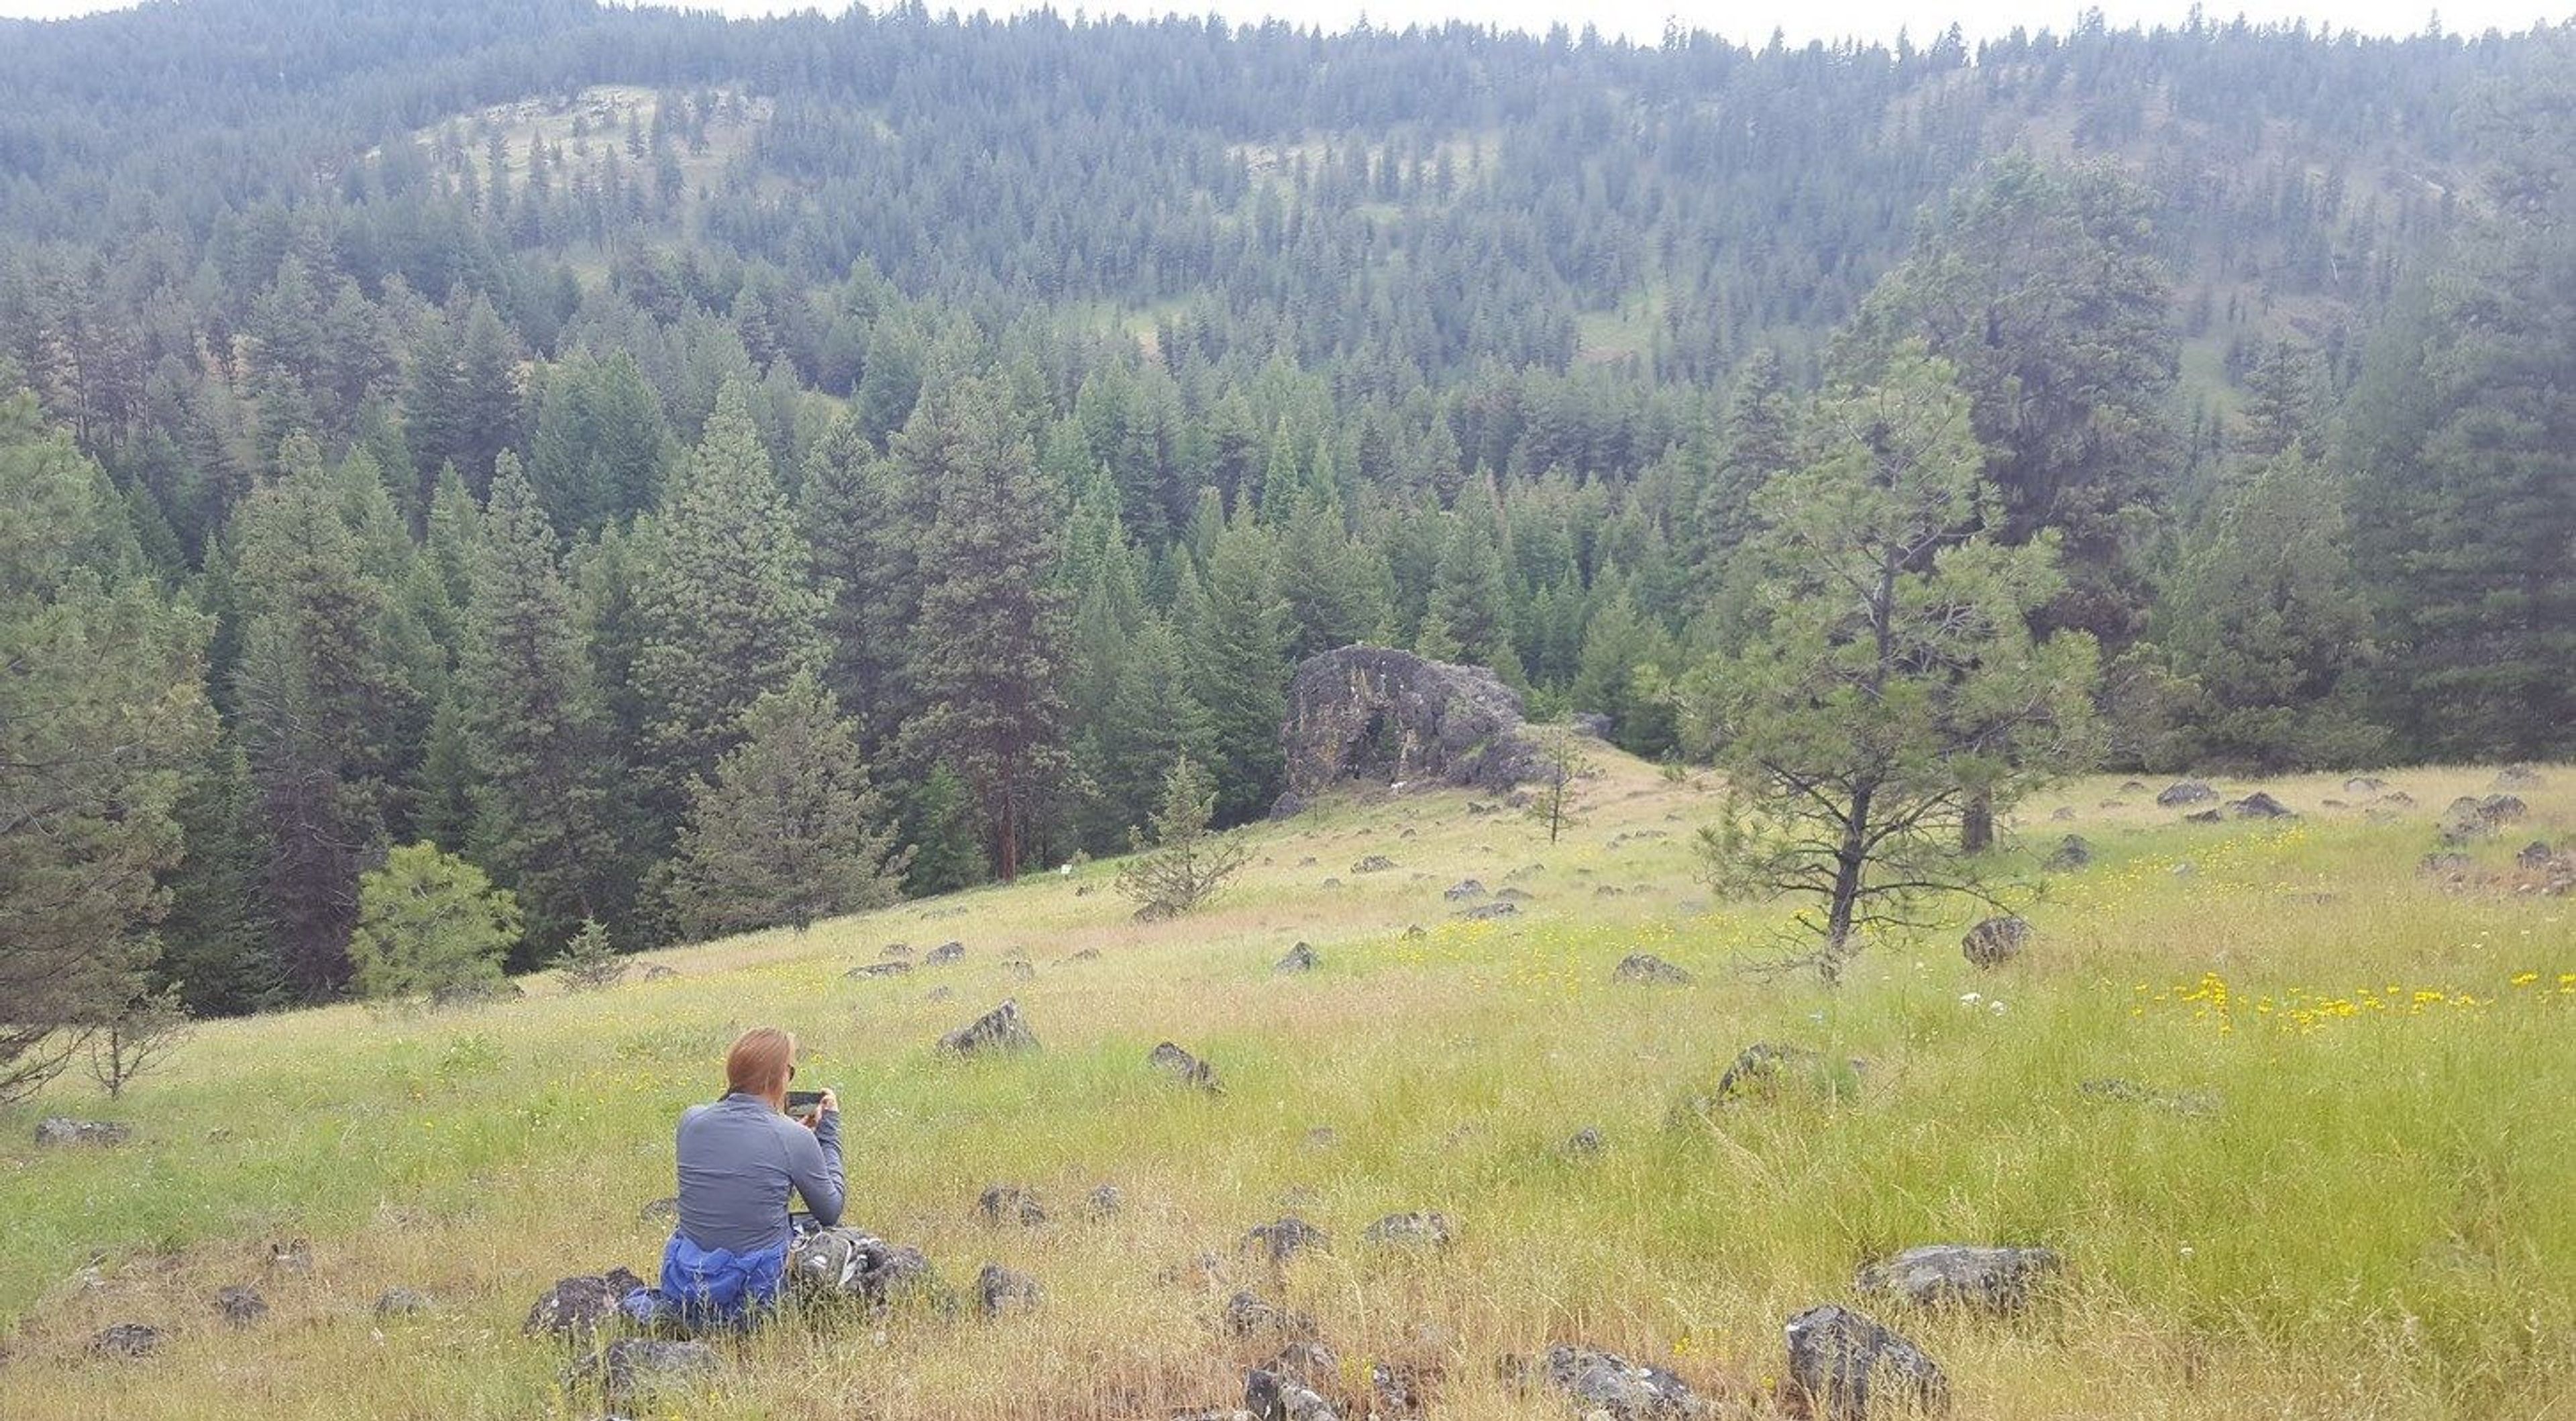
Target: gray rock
(1584,1144)
(1381,716)
(895,951)
(1504,909)
(295,1255)
(1105,1201)
(999,1032)
(2202,816)
(1300,958)
(945,953)
(1395,1391)
(1996,941)
(2071,853)
(1272,1397)
(1307,1363)
(1020,971)
(656,972)
(1465,890)
(2518,777)
(1184,1068)
(1285,1238)
(1758,1070)
(1992,1278)
(1000,1290)
(241,1306)
(2259,805)
(1374,863)
(2064,813)
(2364,784)
(637,1369)
(1256,1319)
(2535,855)
(402,1302)
(1010,1204)
(1647,968)
(127,1340)
(2114,1090)
(63,1130)
(580,1305)
(867,970)
(1850,1367)
(847,1264)
(1515,895)
(1598,1381)
(2182,792)
(1413,1230)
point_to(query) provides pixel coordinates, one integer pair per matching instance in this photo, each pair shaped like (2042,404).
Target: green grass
(2375,1224)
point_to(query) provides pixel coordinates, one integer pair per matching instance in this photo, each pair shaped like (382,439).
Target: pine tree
(534,717)
(1183,866)
(865,515)
(1335,589)
(215,948)
(988,660)
(789,830)
(430,924)
(1234,632)
(1469,600)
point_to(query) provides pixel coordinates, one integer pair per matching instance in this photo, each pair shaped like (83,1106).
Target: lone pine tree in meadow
(1184,865)
(1890,666)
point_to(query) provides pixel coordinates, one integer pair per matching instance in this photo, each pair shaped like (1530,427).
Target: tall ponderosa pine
(538,727)
(989,647)
(1234,631)
(865,513)
(102,713)
(789,830)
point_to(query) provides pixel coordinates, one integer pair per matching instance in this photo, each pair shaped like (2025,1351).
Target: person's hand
(829,1105)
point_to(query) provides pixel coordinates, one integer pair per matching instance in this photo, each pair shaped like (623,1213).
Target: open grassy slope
(2380,1220)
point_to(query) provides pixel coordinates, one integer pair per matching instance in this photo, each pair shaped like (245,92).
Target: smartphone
(801,1104)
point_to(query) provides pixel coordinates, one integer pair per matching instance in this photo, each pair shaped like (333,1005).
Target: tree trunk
(1977,825)
(1849,861)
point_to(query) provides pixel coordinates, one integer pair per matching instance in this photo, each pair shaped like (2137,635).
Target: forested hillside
(520,428)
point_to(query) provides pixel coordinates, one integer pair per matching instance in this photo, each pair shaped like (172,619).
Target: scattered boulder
(1088,954)
(846,1263)
(63,1130)
(1995,1279)
(634,1369)
(1104,1202)
(1285,1238)
(241,1306)
(1374,863)
(866,970)
(2202,816)
(2063,813)
(295,1255)
(127,1340)
(1010,1204)
(1584,1144)
(2133,787)
(1465,890)
(939,994)
(2518,777)
(1761,1069)
(579,1306)
(2071,853)
(1414,1230)
(1384,716)
(1253,1318)
(2183,792)
(1847,1364)
(2534,855)
(1000,1290)
(1020,971)
(656,972)
(1599,1382)
(1183,1067)
(2470,818)
(1996,941)
(1502,909)
(1647,968)
(1300,958)
(2364,784)
(2259,805)
(1308,1363)
(2116,1090)
(1395,1391)
(945,953)
(895,950)
(1268,1396)
(999,1032)
(402,1302)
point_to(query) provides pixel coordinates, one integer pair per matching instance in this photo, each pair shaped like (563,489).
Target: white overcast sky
(1747,20)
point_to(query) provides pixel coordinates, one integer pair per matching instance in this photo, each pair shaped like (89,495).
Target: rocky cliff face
(1371,715)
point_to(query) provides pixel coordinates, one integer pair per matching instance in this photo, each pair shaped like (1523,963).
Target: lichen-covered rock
(1465,890)
(1411,1230)
(1000,1290)
(999,1032)
(1374,863)
(1010,1204)
(1381,716)
(2364,784)
(1256,1319)
(1647,968)
(2259,805)
(578,1306)
(127,1340)
(2518,777)
(241,1306)
(1584,1144)
(1848,1365)
(866,970)
(63,1130)
(402,1302)
(848,1263)
(1759,1071)
(1502,909)
(1598,1381)
(1181,1066)
(1272,1397)
(1105,1201)
(946,952)
(1996,941)
(1285,1238)
(1300,958)
(2071,853)
(2183,792)
(1975,1275)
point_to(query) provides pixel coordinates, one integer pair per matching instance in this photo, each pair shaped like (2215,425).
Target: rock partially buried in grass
(1648,969)
(294,1255)
(946,952)
(1491,910)
(63,1130)
(1181,1066)
(1998,1280)
(1584,1144)
(2518,777)
(1268,1396)
(1256,1319)
(1300,958)
(1761,1071)
(1850,1367)
(402,1302)
(127,1340)
(1104,1202)
(1465,890)
(2259,805)
(867,970)
(656,972)
(1285,1238)
(1000,1291)
(2180,1102)
(2182,792)
(2071,853)
(1374,863)
(1414,1230)
(634,1369)
(999,1032)
(242,1307)
(1996,941)
(578,1306)
(1597,1381)
(1010,1204)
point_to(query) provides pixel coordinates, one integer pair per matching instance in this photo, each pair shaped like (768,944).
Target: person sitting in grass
(727,1261)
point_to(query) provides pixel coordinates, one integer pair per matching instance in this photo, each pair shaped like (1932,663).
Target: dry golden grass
(2376,1224)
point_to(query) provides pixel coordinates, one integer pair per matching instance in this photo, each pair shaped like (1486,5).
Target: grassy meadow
(2379,1220)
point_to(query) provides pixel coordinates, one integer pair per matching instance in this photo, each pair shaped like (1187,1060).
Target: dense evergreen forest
(544,430)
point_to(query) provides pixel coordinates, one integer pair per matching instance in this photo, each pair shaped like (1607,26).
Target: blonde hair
(760,1061)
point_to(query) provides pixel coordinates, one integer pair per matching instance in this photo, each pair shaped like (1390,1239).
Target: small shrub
(1187,866)
(137,1039)
(590,961)
(429,922)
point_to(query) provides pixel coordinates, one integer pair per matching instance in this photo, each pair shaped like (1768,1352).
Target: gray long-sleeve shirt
(738,1158)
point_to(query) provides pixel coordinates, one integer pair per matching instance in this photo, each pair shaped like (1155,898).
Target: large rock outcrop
(1370,714)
